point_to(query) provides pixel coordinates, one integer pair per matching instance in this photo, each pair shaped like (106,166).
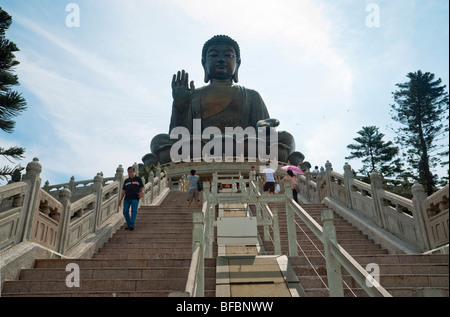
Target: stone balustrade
(421,222)
(66,220)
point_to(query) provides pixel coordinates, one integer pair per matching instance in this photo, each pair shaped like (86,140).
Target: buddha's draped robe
(245,110)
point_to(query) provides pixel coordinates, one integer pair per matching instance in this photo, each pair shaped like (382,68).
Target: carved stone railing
(335,256)
(420,222)
(155,186)
(50,216)
(205,222)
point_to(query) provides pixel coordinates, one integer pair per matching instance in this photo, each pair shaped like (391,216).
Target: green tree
(11,102)
(422,110)
(374,153)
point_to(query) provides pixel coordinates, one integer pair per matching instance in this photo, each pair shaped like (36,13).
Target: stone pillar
(420,216)
(119,174)
(334,274)
(46,187)
(32,177)
(276,232)
(136,168)
(118,177)
(197,234)
(308,179)
(72,184)
(376,183)
(319,181)
(64,225)
(290,219)
(348,179)
(151,179)
(98,190)
(328,170)
(158,175)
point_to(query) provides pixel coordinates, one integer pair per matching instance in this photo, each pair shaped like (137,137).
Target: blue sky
(97,93)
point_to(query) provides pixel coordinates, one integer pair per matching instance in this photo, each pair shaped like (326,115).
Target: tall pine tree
(11,102)
(375,154)
(422,110)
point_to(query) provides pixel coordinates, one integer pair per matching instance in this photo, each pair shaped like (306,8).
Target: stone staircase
(401,275)
(154,259)
(151,261)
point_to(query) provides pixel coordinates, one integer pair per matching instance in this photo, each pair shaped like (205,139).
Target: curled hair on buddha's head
(222,39)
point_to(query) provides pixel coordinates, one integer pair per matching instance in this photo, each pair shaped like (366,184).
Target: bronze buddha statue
(222,103)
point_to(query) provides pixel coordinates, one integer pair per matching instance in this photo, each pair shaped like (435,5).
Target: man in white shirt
(269,179)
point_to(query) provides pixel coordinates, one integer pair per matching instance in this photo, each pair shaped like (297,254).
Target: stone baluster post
(98,190)
(348,180)
(376,183)
(320,178)
(151,179)
(158,175)
(308,179)
(209,223)
(118,177)
(420,216)
(32,177)
(276,232)
(64,225)
(46,186)
(290,219)
(334,274)
(72,184)
(136,168)
(197,234)
(328,170)
(265,216)
(144,200)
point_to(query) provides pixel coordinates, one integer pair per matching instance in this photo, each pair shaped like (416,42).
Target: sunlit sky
(98,92)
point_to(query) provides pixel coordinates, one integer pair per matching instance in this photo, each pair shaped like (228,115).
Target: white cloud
(317,67)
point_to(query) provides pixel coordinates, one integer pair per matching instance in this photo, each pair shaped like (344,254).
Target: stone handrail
(204,222)
(155,186)
(50,217)
(49,222)
(335,255)
(410,220)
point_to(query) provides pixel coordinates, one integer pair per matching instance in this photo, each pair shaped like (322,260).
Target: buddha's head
(221,58)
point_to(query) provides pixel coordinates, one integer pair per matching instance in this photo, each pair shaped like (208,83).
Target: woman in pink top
(291,177)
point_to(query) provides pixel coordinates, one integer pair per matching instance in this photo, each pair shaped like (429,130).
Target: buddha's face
(221,61)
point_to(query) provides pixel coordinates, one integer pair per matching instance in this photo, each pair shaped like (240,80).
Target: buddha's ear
(236,73)
(206,72)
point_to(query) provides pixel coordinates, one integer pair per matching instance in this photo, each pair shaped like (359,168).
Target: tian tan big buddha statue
(218,107)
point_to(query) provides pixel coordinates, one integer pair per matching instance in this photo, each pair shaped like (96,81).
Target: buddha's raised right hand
(181,92)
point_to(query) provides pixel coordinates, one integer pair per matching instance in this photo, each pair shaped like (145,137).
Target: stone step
(137,243)
(149,241)
(348,247)
(134,294)
(137,233)
(120,248)
(142,255)
(30,286)
(384,269)
(359,292)
(386,280)
(111,273)
(379,259)
(119,263)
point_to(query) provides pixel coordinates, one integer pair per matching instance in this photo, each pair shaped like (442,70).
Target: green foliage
(144,171)
(11,102)
(375,154)
(421,109)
